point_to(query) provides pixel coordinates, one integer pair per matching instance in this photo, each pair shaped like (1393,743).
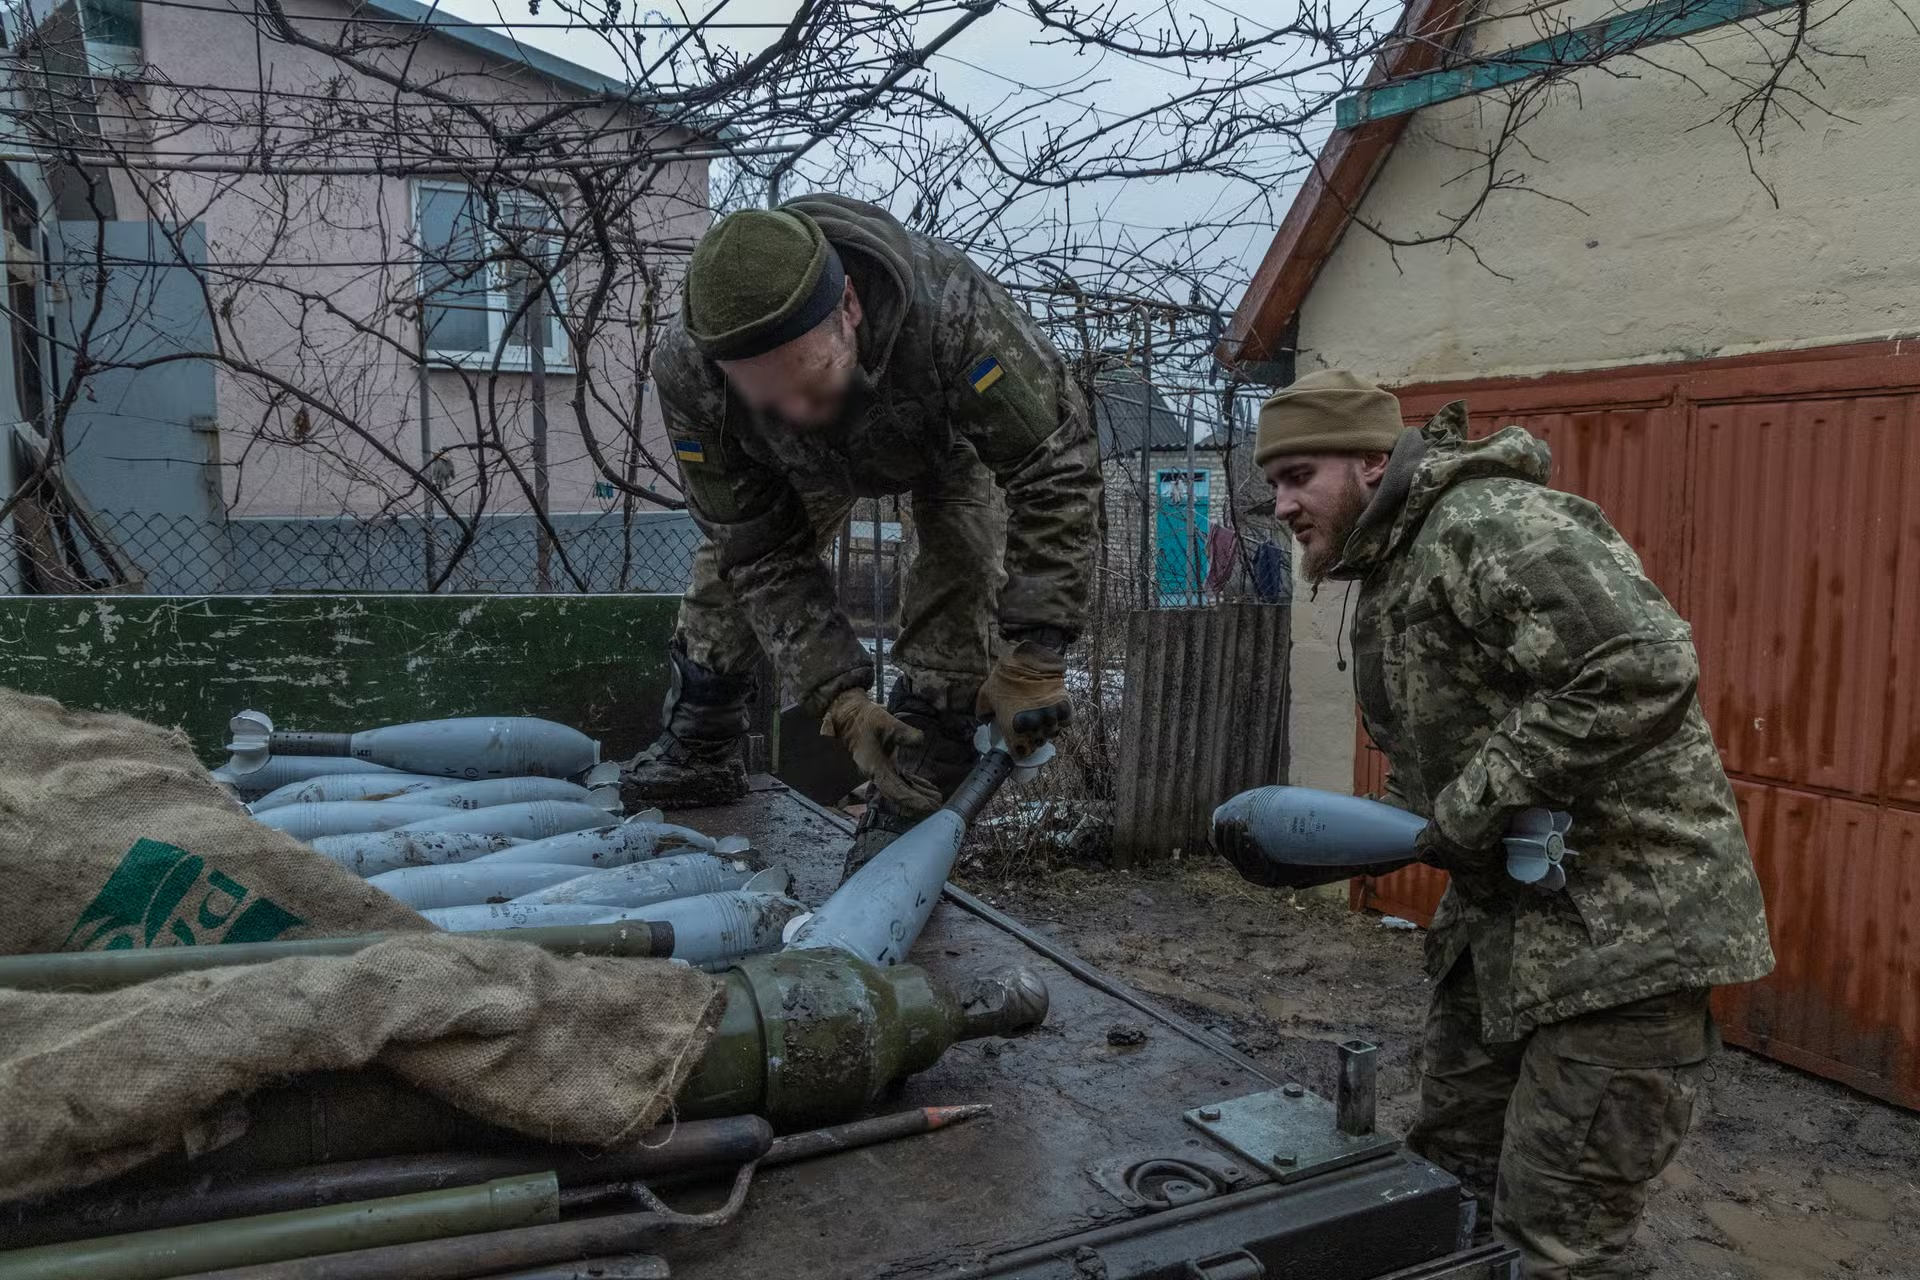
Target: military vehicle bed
(1089,1167)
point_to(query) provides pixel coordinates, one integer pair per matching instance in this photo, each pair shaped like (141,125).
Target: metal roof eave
(498,44)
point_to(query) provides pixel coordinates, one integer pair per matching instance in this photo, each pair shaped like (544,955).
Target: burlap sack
(112,835)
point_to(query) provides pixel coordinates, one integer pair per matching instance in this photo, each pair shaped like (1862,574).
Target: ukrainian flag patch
(985,374)
(690,450)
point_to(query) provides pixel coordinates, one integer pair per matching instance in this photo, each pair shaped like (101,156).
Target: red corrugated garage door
(1776,500)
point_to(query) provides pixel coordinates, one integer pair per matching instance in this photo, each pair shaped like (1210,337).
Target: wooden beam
(1580,47)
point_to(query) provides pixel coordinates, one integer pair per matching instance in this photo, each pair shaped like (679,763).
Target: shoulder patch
(690,450)
(985,374)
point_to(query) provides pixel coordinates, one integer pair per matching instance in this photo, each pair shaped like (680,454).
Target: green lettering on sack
(168,895)
(145,895)
(230,891)
(262,921)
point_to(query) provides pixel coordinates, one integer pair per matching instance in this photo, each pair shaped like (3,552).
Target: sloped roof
(501,44)
(1125,407)
(498,44)
(1323,207)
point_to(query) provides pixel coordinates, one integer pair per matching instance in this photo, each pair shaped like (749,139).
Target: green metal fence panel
(339,662)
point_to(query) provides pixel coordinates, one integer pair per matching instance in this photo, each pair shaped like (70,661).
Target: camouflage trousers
(949,604)
(1558,1135)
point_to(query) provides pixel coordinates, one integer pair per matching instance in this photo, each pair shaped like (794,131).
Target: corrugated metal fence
(1776,501)
(1203,715)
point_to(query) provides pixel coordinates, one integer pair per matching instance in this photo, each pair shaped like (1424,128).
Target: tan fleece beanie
(1327,412)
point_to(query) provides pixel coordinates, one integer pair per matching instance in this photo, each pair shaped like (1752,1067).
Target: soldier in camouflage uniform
(1511,653)
(826,353)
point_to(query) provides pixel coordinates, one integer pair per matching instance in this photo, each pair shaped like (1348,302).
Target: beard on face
(1338,525)
(828,374)
(848,406)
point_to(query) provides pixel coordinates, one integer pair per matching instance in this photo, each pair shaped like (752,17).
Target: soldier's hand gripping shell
(1433,847)
(1025,695)
(872,734)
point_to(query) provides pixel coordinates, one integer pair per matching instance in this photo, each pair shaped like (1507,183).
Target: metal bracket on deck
(1287,1133)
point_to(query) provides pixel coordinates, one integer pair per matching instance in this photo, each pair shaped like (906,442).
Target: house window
(24,248)
(475,271)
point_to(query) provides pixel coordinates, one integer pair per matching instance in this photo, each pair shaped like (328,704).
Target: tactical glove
(1025,695)
(872,734)
(1433,847)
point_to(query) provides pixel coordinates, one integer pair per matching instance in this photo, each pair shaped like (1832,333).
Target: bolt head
(1293,1090)
(1209,1113)
(1285,1159)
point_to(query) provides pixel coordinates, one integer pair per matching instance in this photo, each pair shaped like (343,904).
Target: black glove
(1433,847)
(1232,841)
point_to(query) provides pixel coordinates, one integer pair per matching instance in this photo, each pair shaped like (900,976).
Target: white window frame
(514,357)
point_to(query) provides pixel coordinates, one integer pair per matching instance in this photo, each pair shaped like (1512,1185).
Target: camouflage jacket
(951,363)
(1509,653)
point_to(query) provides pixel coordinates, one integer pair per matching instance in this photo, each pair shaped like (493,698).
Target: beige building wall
(1321,734)
(1645,236)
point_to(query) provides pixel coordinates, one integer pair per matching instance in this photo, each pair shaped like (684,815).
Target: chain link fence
(185,555)
(1188,524)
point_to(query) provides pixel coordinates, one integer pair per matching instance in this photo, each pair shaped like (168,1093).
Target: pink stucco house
(330,194)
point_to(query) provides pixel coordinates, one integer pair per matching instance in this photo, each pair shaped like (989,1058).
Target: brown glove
(872,734)
(1026,697)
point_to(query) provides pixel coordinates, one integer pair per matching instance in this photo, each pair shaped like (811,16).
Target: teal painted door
(1180,537)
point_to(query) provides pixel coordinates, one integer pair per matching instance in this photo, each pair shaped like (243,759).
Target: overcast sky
(1004,58)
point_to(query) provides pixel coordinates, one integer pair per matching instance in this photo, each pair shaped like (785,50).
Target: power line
(445,149)
(38,71)
(512,24)
(410,260)
(438,167)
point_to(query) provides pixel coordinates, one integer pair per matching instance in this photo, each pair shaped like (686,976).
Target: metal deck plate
(1289,1133)
(992,1197)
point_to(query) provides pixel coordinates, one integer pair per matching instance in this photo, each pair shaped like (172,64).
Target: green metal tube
(342,1115)
(463,1257)
(530,1200)
(142,1202)
(107,970)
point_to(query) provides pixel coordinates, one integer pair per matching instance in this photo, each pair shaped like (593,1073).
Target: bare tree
(435,280)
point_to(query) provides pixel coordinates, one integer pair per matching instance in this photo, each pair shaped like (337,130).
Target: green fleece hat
(759,279)
(1327,412)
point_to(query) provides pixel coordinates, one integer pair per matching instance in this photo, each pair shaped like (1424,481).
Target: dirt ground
(1784,1176)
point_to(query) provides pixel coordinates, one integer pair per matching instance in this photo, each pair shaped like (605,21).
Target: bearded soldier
(1510,653)
(825,353)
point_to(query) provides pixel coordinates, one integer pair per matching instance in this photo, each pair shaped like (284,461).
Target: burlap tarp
(112,835)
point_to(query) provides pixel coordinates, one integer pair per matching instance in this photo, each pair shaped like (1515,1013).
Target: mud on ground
(1784,1176)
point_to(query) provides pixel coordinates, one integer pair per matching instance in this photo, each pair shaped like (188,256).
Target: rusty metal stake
(866,1133)
(1354,1099)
